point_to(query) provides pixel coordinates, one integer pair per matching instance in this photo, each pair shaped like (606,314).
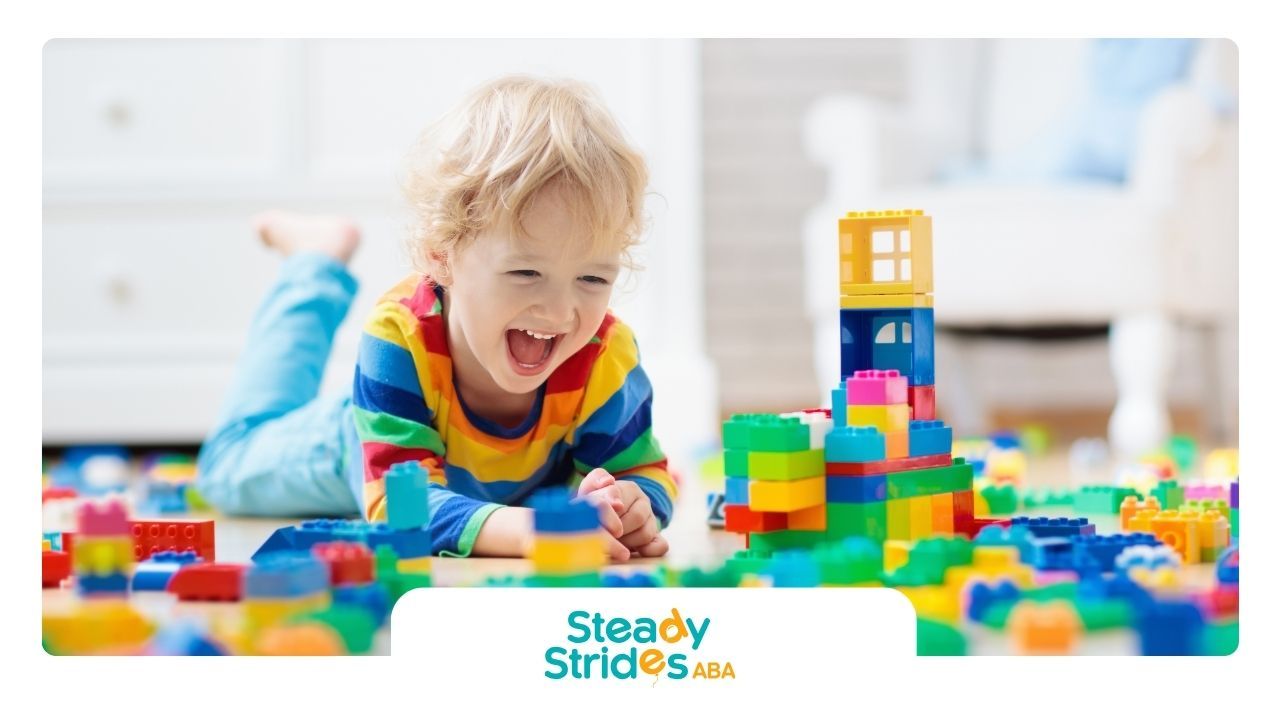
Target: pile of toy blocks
(568,549)
(102,557)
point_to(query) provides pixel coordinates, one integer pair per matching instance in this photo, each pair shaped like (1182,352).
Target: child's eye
(524,273)
(594,280)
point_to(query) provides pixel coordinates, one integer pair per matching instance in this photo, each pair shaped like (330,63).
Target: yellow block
(896,553)
(579,552)
(935,602)
(871,302)
(786,495)
(995,556)
(420,565)
(99,626)
(885,418)
(1179,533)
(898,520)
(921,513)
(45,545)
(262,613)
(886,253)
(102,555)
(943,514)
(1215,530)
(810,518)
(960,575)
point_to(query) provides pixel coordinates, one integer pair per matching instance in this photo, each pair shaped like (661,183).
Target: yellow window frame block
(857,256)
(786,496)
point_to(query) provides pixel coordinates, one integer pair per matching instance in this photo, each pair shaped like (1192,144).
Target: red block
(68,540)
(976,525)
(208,581)
(881,467)
(152,536)
(56,493)
(921,399)
(962,517)
(349,563)
(55,566)
(742,519)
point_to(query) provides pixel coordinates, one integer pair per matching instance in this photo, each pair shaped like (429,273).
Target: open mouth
(530,350)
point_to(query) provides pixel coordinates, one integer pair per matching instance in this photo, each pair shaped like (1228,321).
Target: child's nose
(556,309)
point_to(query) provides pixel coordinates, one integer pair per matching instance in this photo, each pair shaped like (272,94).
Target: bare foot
(288,233)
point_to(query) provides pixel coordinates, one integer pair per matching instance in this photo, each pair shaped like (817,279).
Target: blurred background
(1084,196)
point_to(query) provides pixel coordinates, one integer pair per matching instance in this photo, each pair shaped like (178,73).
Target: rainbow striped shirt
(593,411)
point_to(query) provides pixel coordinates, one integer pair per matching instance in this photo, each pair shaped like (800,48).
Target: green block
(735,463)
(725,576)
(1036,499)
(935,638)
(1001,499)
(1183,451)
(844,563)
(354,625)
(778,434)
(930,481)
(928,560)
(856,520)
(772,542)
(1202,505)
(1105,615)
(1221,638)
(586,579)
(1056,591)
(1235,522)
(746,562)
(1169,493)
(795,465)
(1102,499)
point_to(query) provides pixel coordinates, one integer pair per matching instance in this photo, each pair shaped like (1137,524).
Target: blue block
(114,584)
(287,574)
(867,344)
(406,543)
(983,596)
(310,532)
(371,597)
(185,638)
(1043,527)
(1098,552)
(155,572)
(54,538)
(1098,587)
(1171,628)
(1005,440)
(793,568)
(406,488)
(1017,536)
(1228,567)
(928,437)
(839,399)
(857,489)
(555,511)
(1051,553)
(735,490)
(629,580)
(854,444)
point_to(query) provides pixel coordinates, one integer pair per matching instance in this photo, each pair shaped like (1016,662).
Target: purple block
(1235,494)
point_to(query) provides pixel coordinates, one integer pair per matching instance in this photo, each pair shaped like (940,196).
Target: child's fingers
(607,495)
(595,480)
(609,519)
(617,551)
(635,517)
(657,547)
(642,535)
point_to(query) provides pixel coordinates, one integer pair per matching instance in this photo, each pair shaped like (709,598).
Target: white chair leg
(1142,347)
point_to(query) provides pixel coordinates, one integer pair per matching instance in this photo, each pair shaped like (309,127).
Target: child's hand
(601,490)
(640,529)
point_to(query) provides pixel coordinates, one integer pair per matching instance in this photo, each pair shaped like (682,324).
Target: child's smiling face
(519,306)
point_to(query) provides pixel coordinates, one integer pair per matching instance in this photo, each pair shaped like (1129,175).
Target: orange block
(811,518)
(943,513)
(1052,628)
(1130,507)
(1179,533)
(895,444)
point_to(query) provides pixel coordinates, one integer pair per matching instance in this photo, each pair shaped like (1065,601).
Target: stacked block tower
(879,463)
(103,551)
(568,550)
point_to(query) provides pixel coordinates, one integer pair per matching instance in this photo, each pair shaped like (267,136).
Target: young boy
(498,367)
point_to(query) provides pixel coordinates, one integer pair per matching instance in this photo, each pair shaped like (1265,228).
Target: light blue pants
(277,448)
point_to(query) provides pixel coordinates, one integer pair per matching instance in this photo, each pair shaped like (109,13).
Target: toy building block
(846,444)
(1213,530)
(772,433)
(371,598)
(208,582)
(923,402)
(981,597)
(735,463)
(1052,628)
(928,438)
(1235,494)
(898,520)
(1055,527)
(95,627)
(876,387)
(886,253)
(1169,494)
(1051,553)
(819,423)
(1101,499)
(787,496)
(839,408)
(736,431)
(846,520)
(771,542)
(888,339)
(55,566)
(151,536)
(155,572)
(1000,499)
(406,493)
(793,568)
(395,580)
(103,555)
(880,467)
(715,510)
(1171,628)
(920,511)
(962,504)
(897,444)
(742,519)
(1227,569)
(810,518)
(568,554)
(885,418)
(1099,552)
(939,639)
(866,302)
(185,638)
(1179,533)
(857,488)
(789,466)
(555,511)
(854,562)
(106,520)
(285,575)
(349,563)
(1130,506)
(930,481)
(735,490)
(943,513)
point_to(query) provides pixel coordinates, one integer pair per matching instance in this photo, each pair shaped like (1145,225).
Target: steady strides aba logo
(625,649)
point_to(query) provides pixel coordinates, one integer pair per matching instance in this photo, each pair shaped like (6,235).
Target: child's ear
(438,267)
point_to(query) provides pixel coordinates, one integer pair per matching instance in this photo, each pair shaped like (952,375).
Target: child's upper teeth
(539,336)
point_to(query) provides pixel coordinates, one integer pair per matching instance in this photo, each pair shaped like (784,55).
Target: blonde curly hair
(483,164)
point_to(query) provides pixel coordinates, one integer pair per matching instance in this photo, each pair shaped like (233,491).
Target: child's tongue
(527,349)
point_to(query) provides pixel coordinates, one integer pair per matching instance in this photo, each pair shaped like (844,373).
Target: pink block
(109,519)
(876,387)
(1204,492)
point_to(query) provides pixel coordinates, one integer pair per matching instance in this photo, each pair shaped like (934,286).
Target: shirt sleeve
(616,430)
(394,417)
